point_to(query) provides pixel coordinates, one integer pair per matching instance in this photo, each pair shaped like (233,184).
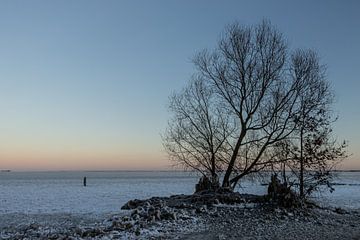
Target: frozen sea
(106,192)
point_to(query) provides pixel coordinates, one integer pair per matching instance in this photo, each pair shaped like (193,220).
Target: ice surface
(55,192)
(106,192)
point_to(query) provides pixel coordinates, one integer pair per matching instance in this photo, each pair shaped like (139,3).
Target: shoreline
(188,217)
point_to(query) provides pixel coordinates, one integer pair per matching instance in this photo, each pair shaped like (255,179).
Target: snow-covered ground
(347,191)
(63,192)
(106,192)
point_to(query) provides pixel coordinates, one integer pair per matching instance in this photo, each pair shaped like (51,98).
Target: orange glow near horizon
(350,164)
(45,152)
(37,159)
(59,163)
(96,160)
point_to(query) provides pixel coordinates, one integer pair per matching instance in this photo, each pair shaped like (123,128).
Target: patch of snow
(106,192)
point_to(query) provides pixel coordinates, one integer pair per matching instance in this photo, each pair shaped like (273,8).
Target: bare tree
(247,73)
(312,149)
(198,129)
(249,97)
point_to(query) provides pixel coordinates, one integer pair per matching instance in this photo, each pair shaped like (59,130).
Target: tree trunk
(226,180)
(284,173)
(301,165)
(213,166)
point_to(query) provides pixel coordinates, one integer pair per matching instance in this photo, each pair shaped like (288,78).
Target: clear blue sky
(84,84)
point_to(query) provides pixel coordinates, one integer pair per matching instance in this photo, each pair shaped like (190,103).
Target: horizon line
(141,170)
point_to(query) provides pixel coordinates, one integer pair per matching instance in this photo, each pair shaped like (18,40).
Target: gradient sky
(84,84)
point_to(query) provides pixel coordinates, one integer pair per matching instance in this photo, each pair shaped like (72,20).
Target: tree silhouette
(248,97)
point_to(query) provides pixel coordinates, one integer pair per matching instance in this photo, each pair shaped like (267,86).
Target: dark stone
(207,184)
(282,195)
(340,211)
